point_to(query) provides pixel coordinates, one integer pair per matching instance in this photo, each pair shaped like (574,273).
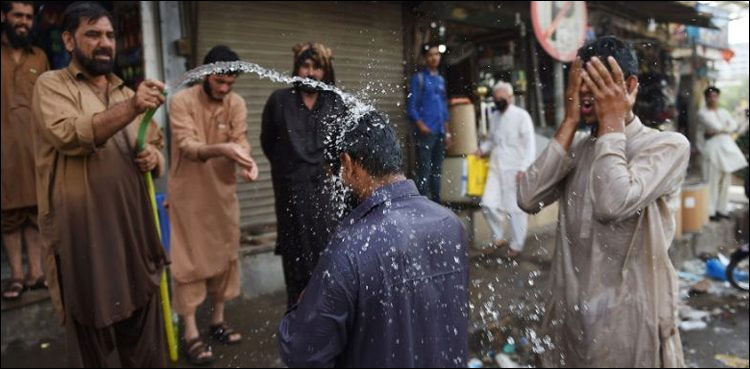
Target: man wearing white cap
(511,147)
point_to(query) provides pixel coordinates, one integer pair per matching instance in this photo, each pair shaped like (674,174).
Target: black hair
(427,46)
(711,89)
(8,5)
(606,46)
(319,60)
(90,10)
(220,53)
(372,143)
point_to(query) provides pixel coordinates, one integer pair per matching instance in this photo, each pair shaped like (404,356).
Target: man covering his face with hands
(614,291)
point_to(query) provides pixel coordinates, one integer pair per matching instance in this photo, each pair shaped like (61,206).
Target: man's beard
(92,66)
(209,92)
(16,41)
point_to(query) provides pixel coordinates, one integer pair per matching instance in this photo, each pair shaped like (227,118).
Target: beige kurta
(613,287)
(94,209)
(203,207)
(18,80)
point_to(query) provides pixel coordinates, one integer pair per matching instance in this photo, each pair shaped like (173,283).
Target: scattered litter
(504,361)
(692,325)
(475,363)
(716,269)
(732,361)
(693,319)
(701,287)
(689,314)
(689,277)
(44,345)
(722,330)
(509,348)
(695,267)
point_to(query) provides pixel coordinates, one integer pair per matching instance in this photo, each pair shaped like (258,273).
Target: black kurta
(292,137)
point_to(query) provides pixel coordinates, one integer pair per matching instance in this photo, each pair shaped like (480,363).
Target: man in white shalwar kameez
(512,149)
(613,297)
(721,155)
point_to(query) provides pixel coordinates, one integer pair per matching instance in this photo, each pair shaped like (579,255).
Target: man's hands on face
(612,100)
(148,159)
(572,94)
(149,95)
(567,129)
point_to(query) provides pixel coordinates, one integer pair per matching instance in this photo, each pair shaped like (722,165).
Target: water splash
(356,108)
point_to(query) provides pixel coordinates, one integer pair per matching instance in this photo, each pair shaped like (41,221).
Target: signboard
(560,27)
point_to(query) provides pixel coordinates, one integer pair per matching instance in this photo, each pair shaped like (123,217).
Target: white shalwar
(511,141)
(721,157)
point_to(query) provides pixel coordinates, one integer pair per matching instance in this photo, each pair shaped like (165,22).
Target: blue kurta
(391,289)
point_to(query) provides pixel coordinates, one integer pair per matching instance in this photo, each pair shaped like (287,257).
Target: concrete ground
(506,301)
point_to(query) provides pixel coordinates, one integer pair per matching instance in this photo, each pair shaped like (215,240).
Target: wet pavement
(507,309)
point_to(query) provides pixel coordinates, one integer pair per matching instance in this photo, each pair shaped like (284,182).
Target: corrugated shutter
(367,43)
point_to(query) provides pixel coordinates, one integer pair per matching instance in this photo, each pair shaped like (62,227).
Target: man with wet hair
(614,293)
(292,135)
(209,131)
(22,64)
(721,155)
(391,289)
(94,208)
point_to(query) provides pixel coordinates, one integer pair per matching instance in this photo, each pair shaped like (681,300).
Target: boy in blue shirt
(428,109)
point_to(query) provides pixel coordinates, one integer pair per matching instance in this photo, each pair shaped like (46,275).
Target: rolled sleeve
(84,129)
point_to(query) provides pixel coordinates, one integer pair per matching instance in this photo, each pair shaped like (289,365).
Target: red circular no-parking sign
(560,27)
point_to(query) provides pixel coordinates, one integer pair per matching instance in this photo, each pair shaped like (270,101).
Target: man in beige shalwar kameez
(209,128)
(94,208)
(613,288)
(21,65)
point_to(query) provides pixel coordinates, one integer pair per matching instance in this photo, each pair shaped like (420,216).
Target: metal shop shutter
(367,43)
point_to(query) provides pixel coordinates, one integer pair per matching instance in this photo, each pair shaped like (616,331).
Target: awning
(660,11)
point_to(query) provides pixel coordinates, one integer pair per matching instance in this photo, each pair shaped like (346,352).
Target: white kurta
(720,150)
(511,142)
(613,297)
